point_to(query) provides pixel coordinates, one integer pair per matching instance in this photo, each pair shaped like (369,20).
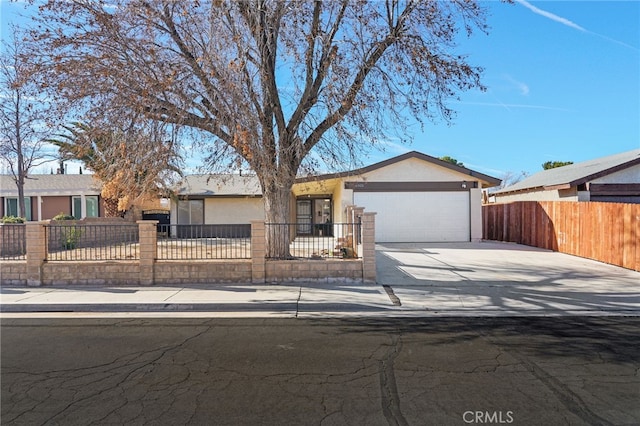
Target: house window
(91,206)
(11,207)
(190,212)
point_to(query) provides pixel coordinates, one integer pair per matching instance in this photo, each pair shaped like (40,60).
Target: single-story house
(615,178)
(49,195)
(416,198)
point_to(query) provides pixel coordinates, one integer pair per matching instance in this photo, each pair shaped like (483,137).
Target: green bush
(63,216)
(12,219)
(70,237)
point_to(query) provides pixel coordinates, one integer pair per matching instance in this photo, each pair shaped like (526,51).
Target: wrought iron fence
(192,242)
(309,241)
(77,242)
(13,241)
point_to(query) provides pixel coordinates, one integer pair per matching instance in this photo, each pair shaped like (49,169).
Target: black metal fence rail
(332,240)
(13,241)
(194,242)
(78,242)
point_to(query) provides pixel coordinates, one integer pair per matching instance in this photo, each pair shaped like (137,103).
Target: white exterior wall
(584,196)
(475,206)
(173,213)
(412,170)
(629,175)
(341,199)
(539,195)
(233,210)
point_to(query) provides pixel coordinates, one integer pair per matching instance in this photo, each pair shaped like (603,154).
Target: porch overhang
(315,187)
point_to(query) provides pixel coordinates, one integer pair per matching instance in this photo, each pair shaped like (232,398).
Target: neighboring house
(615,178)
(218,199)
(48,195)
(416,198)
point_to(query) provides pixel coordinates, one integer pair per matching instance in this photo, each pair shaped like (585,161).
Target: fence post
(36,251)
(147,231)
(357,213)
(258,252)
(369,247)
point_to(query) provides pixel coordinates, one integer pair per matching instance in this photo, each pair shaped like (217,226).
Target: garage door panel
(418,216)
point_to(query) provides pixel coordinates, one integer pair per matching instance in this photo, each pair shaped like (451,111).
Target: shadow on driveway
(490,276)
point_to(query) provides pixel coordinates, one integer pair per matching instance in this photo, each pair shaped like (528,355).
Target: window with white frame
(11,207)
(191,212)
(91,206)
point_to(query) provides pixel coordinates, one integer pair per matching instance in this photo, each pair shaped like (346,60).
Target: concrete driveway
(492,278)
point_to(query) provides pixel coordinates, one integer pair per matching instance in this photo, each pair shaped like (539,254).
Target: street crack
(389,391)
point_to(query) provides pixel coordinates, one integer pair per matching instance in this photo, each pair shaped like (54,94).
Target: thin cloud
(508,106)
(523,88)
(551,16)
(571,24)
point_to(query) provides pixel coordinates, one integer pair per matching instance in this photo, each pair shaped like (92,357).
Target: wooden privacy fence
(607,232)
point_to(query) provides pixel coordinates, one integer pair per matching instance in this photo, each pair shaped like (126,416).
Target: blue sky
(563,82)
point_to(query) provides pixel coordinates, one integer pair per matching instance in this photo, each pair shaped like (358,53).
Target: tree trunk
(22,173)
(22,211)
(111,207)
(277,199)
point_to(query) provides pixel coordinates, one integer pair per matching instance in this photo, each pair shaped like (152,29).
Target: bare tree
(267,82)
(24,116)
(510,178)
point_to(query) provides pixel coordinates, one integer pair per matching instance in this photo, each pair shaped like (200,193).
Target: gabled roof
(576,174)
(51,185)
(491,181)
(220,185)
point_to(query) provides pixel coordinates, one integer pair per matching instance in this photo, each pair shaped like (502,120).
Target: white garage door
(418,216)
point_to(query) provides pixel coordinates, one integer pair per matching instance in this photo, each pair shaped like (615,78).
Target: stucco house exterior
(48,195)
(416,197)
(615,178)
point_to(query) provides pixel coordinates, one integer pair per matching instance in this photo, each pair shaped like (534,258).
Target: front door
(304,217)
(313,217)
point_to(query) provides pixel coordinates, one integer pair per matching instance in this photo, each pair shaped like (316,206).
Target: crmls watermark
(488,417)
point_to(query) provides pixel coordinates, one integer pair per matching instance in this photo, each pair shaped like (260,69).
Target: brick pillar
(148,250)
(258,252)
(369,247)
(36,251)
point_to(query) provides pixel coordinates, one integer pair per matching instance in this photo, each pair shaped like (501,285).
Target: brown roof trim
(606,172)
(450,186)
(557,187)
(412,154)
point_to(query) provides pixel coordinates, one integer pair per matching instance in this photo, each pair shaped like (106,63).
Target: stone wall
(13,273)
(90,273)
(195,272)
(313,270)
(148,270)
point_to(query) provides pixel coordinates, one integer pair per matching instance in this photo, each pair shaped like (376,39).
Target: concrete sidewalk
(299,301)
(219,300)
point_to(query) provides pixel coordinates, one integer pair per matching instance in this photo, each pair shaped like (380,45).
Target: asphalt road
(436,371)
